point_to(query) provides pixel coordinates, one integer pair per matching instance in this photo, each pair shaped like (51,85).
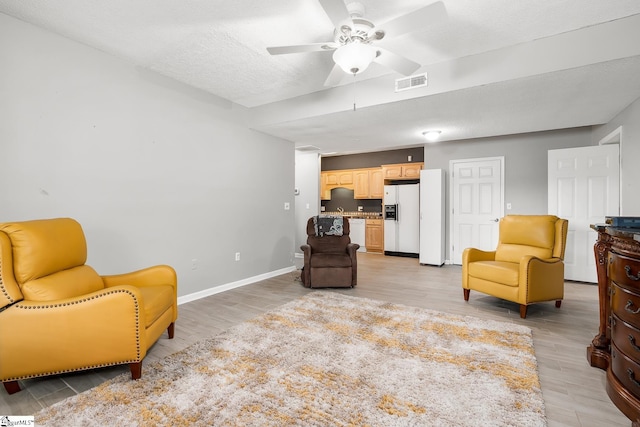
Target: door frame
(450,213)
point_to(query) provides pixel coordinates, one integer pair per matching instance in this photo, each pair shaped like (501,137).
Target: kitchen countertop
(364,215)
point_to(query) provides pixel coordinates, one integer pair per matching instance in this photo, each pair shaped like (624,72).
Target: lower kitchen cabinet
(374,235)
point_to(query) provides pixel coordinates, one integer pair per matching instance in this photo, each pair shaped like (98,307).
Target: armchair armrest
(150,276)
(473,255)
(102,328)
(539,279)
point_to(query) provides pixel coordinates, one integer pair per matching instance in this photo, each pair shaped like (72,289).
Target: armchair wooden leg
(136,370)
(11,386)
(466,293)
(558,303)
(523,310)
(171,330)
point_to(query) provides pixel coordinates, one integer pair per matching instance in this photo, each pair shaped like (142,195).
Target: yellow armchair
(58,315)
(526,267)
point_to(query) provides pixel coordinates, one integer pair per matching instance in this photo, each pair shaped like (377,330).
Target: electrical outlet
(287,206)
(237,256)
(508,206)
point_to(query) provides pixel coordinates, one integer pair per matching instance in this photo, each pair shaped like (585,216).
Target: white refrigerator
(402,230)
(432,217)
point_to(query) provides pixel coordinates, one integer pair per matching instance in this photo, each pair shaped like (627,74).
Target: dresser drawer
(626,370)
(625,304)
(624,270)
(626,337)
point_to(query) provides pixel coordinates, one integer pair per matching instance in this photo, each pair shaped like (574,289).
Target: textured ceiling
(495,67)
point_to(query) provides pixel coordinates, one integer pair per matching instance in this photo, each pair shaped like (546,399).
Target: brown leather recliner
(58,315)
(329,260)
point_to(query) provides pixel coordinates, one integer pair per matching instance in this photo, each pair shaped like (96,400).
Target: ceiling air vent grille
(411,82)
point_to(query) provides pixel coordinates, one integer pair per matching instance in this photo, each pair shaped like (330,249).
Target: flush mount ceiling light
(354,57)
(431,135)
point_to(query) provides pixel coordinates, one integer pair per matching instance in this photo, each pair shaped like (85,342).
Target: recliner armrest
(352,248)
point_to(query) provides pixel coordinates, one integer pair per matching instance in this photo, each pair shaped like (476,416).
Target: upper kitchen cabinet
(402,171)
(368,183)
(334,179)
(339,178)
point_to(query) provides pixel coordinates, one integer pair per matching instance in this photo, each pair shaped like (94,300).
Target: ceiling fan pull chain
(354,91)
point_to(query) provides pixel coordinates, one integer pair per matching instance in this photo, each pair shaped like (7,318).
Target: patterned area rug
(330,360)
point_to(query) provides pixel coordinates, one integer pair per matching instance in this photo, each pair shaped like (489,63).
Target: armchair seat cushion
(502,272)
(156,300)
(328,260)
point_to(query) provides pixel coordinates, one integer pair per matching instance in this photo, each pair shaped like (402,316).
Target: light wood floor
(574,392)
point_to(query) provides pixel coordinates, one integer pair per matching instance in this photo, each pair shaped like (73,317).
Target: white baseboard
(228,286)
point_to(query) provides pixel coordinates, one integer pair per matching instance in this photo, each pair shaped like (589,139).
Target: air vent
(411,82)
(307,148)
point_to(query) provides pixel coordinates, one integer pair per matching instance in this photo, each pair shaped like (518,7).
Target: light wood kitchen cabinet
(361,184)
(339,178)
(376,184)
(368,183)
(374,235)
(402,171)
(334,179)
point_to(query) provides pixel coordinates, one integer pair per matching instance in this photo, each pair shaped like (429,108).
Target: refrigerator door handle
(397,212)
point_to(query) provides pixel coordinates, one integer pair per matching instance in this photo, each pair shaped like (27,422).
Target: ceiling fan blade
(413,21)
(396,62)
(312,47)
(337,12)
(335,76)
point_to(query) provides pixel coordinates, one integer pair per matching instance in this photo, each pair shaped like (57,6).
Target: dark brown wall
(372,160)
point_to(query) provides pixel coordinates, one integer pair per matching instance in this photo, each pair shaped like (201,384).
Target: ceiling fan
(355,36)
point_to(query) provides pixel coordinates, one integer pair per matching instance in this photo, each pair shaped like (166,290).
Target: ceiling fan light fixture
(354,57)
(431,135)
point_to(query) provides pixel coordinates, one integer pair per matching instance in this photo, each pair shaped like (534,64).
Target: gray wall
(155,171)
(308,198)
(629,120)
(373,159)
(525,158)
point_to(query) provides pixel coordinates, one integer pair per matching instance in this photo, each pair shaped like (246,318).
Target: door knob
(495,220)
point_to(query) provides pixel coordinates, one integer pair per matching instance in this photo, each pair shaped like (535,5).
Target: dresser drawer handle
(632,340)
(627,269)
(628,308)
(632,377)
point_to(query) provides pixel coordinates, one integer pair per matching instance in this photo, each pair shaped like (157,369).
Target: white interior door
(584,187)
(477,202)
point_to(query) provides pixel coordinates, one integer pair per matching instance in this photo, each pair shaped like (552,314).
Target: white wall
(308,200)
(629,120)
(155,171)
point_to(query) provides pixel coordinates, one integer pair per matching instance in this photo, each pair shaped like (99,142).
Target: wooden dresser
(616,348)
